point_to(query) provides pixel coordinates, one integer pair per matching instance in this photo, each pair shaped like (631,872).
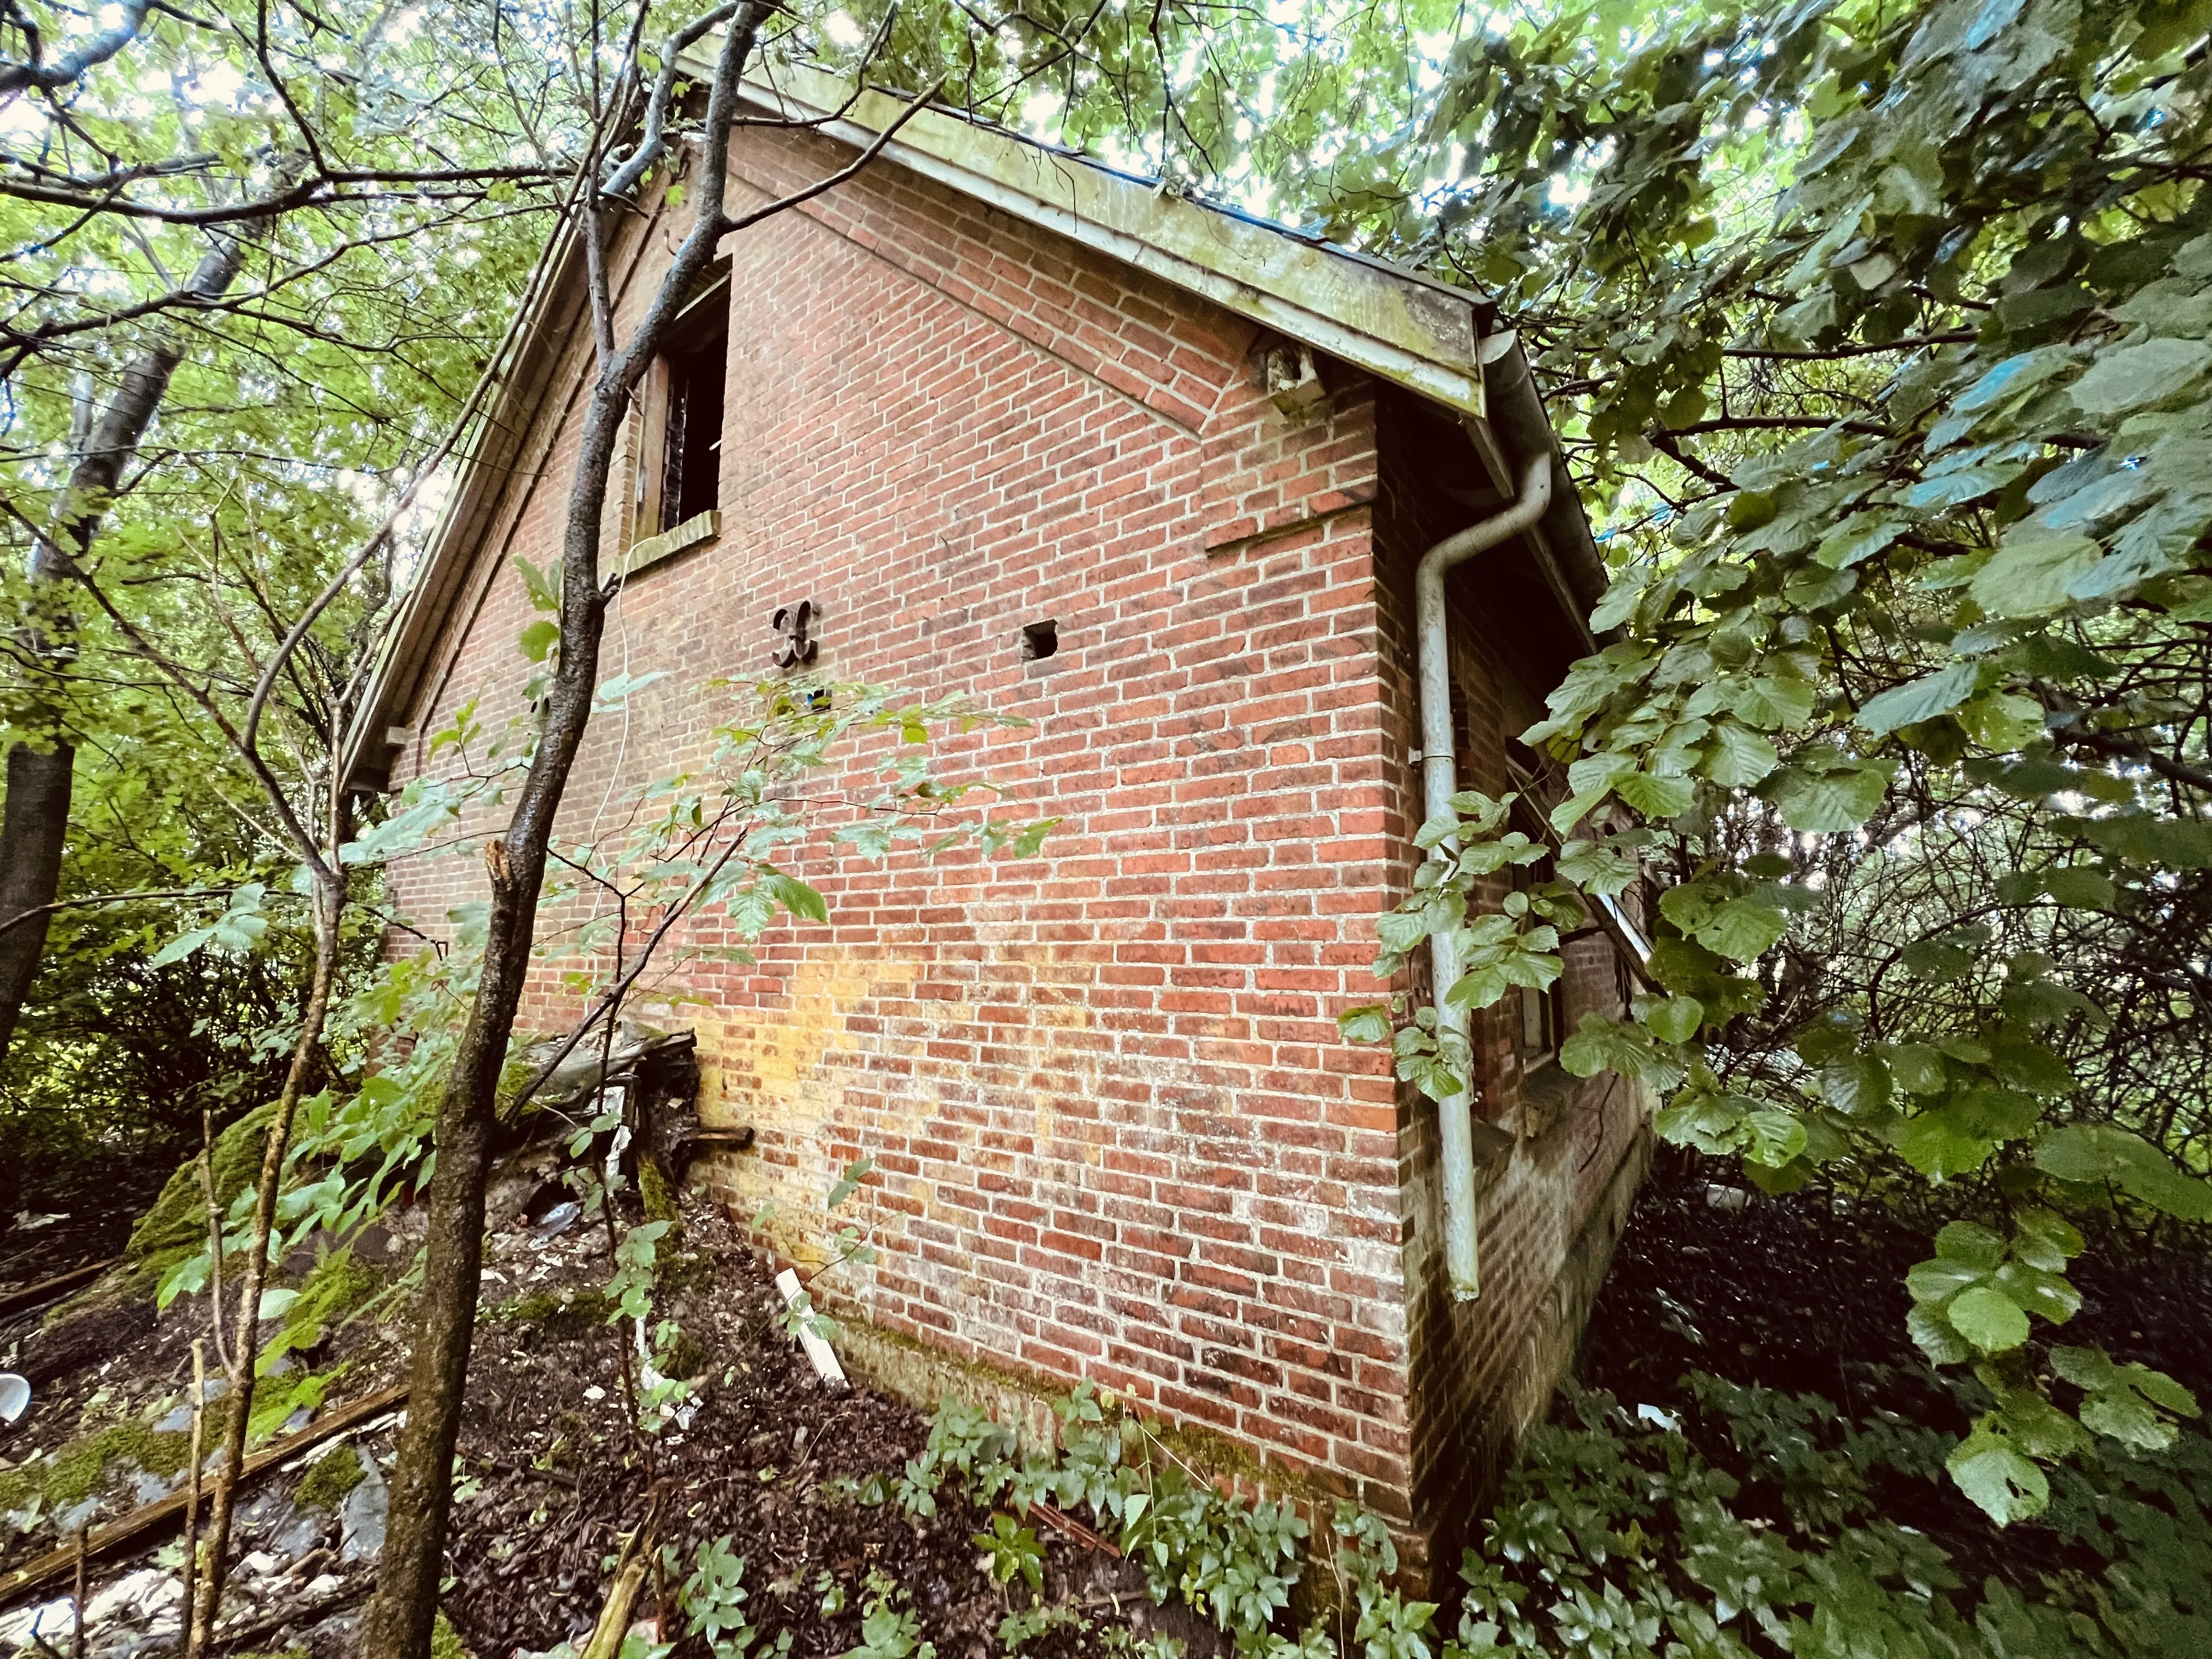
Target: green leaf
(1923,699)
(2079,887)
(537,641)
(180,947)
(1932,1334)
(1675,1020)
(542,591)
(2105,1152)
(1939,961)
(1917,1069)
(2132,377)
(1776,1137)
(796,896)
(1974,1245)
(1988,1319)
(1601,1045)
(1744,929)
(2006,1485)
(1772,702)
(1858,539)
(1657,797)
(1829,801)
(2172,843)
(2032,570)
(1736,757)
(849,1182)
(1371,1024)
(2125,1402)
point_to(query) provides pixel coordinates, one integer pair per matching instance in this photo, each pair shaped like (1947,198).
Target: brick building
(1157,478)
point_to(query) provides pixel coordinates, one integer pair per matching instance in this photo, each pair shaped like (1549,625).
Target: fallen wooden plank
(1073,1528)
(158,1517)
(37,1296)
(824,1356)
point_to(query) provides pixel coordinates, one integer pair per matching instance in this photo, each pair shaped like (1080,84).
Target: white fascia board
(1401,327)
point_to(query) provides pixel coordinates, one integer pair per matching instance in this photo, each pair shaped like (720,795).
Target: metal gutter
(1439,783)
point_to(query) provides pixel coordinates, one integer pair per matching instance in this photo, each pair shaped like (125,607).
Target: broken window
(691,470)
(680,473)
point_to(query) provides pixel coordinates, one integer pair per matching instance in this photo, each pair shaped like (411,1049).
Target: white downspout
(1439,783)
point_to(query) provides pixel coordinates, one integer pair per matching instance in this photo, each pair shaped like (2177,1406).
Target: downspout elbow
(1439,783)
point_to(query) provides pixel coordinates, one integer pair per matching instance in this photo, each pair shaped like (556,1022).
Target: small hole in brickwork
(1039,639)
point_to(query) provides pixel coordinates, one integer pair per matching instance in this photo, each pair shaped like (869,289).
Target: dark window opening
(691,473)
(1543,1013)
(1039,639)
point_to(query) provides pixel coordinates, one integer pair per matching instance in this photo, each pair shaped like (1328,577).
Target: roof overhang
(1396,324)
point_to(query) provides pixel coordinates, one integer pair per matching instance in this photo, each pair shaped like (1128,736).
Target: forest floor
(1803,1295)
(1806,1295)
(552,1476)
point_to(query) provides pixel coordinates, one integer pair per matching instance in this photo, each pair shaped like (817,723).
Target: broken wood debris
(1072,1527)
(158,1517)
(824,1356)
(33,1296)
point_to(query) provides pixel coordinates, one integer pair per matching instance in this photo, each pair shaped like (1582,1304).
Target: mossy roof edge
(1397,324)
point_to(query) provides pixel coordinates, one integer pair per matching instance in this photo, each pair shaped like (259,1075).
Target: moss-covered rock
(275,1398)
(175,1225)
(328,1479)
(562,1316)
(72,1473)
(445,1641)
(658,1198)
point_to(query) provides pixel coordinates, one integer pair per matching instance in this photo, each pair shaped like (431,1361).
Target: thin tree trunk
(34,823)
(207,1596)
(400,1619)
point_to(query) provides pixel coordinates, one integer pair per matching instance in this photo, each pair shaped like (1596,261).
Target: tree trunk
(35,820)
(400,1618)
(207,1598)
(30,867)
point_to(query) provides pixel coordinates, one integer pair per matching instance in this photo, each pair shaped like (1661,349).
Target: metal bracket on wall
(791,622)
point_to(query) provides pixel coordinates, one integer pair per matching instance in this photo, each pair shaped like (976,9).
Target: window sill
(701,527)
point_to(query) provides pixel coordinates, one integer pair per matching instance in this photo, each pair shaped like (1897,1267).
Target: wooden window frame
(703,318)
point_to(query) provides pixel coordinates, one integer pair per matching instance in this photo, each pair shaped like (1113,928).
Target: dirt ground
(552,1475)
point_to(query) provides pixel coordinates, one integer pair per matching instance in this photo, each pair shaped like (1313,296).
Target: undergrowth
(1234,1562)
(1621,1534)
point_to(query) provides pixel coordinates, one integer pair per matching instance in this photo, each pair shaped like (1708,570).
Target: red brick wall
(1117,1136)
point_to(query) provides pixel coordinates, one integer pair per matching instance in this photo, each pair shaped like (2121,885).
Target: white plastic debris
(1726,1198)
(137,1596)
(49,1619)
(558,1220)
(1660,1415)
(824,1356)
(15,1396)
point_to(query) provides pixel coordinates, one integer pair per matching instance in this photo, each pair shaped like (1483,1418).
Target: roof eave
(1398,325)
